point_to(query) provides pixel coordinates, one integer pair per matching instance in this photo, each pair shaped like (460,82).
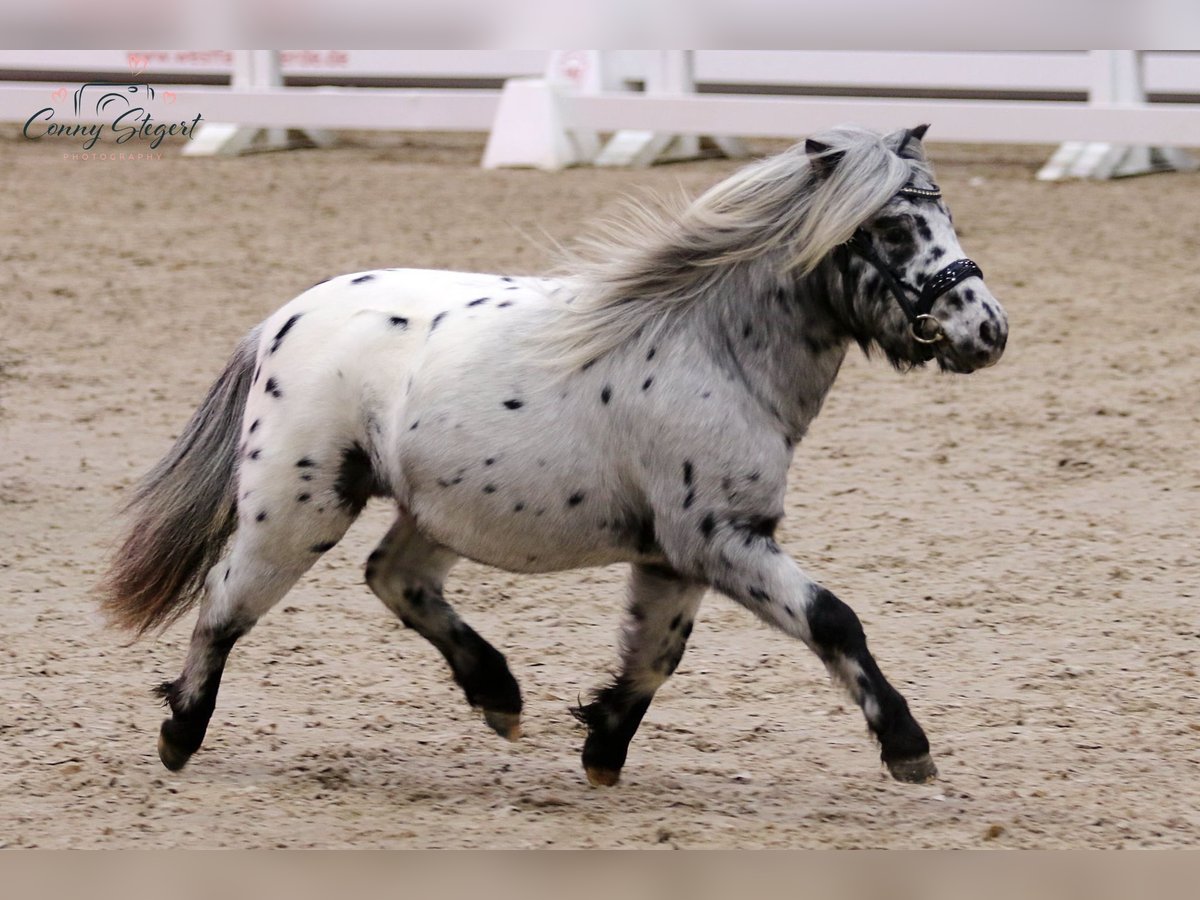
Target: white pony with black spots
(643,409)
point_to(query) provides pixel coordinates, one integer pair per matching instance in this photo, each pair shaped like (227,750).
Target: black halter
(924,328)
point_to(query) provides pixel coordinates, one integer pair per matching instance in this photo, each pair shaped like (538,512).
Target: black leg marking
(181,735)
(838,638)
(612,719)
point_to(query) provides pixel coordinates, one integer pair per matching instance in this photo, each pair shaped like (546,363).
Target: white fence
(1030,72)
(971,112)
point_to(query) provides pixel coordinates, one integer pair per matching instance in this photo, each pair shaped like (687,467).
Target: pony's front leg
(662,608)
(752,570)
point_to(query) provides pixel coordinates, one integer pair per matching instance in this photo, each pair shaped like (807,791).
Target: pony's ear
(822,157)
(909,137)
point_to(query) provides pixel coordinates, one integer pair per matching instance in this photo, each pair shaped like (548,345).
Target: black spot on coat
(356,480)
(513,404)
(362,279)
(282,333)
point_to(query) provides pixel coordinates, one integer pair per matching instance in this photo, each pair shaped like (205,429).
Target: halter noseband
(925,329)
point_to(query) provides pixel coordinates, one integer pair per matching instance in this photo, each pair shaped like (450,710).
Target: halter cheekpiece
(925,328)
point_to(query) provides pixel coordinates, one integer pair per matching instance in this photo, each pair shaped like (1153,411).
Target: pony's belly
(540,544)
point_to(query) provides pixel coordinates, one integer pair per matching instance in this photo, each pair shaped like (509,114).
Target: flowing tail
(183,510)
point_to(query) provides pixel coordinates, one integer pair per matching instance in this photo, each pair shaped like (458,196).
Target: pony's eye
(896,235)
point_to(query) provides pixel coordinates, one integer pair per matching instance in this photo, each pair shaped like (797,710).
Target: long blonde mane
(627,276)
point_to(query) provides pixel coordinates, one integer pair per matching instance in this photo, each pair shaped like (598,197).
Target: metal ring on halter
(918,322)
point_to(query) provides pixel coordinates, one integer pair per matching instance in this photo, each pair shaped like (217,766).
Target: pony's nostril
(987,334)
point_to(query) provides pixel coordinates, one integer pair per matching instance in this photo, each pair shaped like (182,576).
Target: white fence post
(532,129)
(667,73)
(253,70)
(1117,80)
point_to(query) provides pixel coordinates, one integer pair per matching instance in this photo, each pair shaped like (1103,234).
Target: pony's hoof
(172,757)
(505,724)
(920,770)
(598,777)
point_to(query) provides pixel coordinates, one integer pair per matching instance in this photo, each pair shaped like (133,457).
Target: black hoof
(505,724)
(919,770)
(490,686)
(600,777)
(173,756)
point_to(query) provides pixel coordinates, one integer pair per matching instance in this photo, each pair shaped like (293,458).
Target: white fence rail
(1110,116)
(1064,72)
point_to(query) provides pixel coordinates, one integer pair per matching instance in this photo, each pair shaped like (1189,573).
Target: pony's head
(907,285)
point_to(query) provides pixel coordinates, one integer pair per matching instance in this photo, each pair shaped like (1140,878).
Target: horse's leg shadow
(662,608)
(406,572)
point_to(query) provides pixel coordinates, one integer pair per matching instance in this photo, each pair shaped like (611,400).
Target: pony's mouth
(949,360)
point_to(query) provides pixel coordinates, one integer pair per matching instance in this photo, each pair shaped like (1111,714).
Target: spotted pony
(642,408)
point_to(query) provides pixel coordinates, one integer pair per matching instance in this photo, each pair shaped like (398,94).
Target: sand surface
(1020,543)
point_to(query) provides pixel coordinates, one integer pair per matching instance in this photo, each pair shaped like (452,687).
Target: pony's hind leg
(268,556)
(662,608)
(406,571)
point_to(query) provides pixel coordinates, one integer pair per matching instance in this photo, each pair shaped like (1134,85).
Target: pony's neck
(784,342)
